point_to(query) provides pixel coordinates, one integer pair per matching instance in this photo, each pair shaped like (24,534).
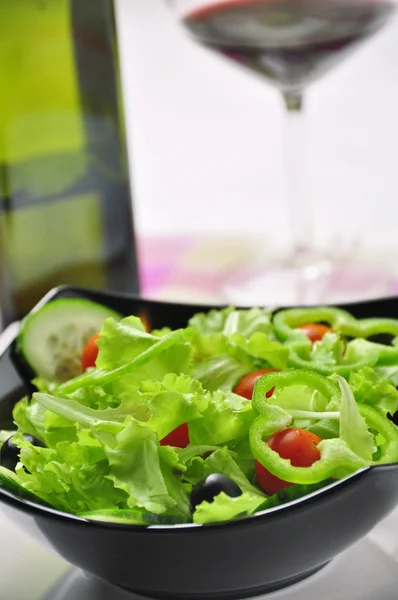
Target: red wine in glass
(291,42)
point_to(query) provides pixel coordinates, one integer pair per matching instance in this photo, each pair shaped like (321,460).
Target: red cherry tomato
(298,445)
(315,331)
(179,437)
(246,385)
(90,353)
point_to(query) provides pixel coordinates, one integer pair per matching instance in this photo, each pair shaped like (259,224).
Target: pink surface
(159,259)
(199,268)
(196,265)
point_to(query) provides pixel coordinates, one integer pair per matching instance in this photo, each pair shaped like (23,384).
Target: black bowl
(241,558)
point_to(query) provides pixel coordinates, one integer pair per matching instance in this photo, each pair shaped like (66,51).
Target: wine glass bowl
(291,43)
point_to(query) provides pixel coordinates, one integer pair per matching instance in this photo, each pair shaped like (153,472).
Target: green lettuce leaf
(260,345)
(330,350)
(220,372)
(111,465)
(389,373)
(205,346)
(299,397)
(361,351)
(231,343)
(353,428)
(229,321)
(227,417)
(29,415)
(144,470)
(122,341)
(370,387)
(345,461)
(195,470)
(175,400)
(242,454)
(212,321)
(71,477)
(191,452)
(324,428)
(137,465)
(161,406)
(32,418)
(170,354)
(225,508)
(79,414)
(193,458)
(93,396)
(222,462)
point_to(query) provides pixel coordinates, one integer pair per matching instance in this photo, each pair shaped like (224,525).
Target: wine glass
(291,43)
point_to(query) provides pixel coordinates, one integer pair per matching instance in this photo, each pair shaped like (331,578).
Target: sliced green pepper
(287,323)
(388,355)
(300,358)
(337,460)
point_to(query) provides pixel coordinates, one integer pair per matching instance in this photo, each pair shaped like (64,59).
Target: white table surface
(206,136)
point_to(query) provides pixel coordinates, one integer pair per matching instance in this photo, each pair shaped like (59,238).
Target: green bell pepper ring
(371,327)
(300,358)
(273,419)
(379,355)
(337,460)
(388,355)
(287,321)
(281,379)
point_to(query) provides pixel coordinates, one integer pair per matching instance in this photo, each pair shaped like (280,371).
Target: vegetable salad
(238,412)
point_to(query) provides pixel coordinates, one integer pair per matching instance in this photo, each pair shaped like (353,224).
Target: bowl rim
(39,510)
(324,493)
(272,307)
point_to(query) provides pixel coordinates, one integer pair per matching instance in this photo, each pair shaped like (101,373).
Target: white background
(206,137)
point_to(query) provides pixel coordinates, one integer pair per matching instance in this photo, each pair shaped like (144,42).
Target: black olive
(9,454)
(210,487)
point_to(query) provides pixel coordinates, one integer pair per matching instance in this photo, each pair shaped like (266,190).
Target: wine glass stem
(298,203)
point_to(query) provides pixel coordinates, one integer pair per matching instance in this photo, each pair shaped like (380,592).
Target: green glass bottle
(65,203)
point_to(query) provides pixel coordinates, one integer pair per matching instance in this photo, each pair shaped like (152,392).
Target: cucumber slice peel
(130,517)
(10,483)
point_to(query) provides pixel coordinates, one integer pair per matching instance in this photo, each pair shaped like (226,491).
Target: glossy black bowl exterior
(234,559)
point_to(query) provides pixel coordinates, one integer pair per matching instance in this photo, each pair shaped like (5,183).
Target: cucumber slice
(10,483)
(130,517)
(52,339)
